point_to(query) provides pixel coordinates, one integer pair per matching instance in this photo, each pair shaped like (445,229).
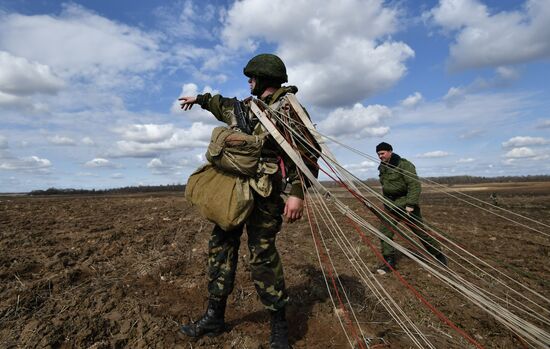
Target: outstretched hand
(294,208)
(187,102)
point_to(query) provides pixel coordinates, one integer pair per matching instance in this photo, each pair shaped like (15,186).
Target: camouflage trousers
(416,226)
(267,270)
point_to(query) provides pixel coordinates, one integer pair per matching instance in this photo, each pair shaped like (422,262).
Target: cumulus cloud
(361,167)
(338,53)
(196,113)
(434,154)
(522,152)
(100,162)
(544,124)
(30,163)
(358,121)
(21,77)
(465,160)
(158,167)
(521,141)
(155,163)
(86,45)
(412,100)
(146,144)
(147,133)
(61,140)
(484,39)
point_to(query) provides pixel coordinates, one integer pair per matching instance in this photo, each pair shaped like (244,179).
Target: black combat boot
(383,267)
(211,324)
(279,330)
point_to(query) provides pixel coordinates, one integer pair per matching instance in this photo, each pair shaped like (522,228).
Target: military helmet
(266,66)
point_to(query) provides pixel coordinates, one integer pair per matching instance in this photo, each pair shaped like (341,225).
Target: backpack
(223,198)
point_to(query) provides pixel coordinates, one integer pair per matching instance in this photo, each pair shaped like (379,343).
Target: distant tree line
(475,180)
(371,181)
(123,190)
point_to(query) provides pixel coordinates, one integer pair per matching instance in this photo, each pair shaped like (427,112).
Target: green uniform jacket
(223,110)
(400,182)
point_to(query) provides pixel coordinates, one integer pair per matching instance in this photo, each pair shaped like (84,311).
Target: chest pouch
(235,152)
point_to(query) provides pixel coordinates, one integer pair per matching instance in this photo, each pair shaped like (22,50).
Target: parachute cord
(440,236)
(415,292)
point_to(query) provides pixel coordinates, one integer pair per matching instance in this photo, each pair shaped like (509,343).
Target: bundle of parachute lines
(523,311)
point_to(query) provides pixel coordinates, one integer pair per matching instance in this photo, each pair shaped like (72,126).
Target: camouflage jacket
(400,182)
(224,110)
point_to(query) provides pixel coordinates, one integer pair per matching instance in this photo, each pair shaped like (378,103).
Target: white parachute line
(420,227)
(514,281)
(516,324)
(325,191)
(292,99)
(350,306)
(327,251)
(445,190)
(366,275)
(507,318)
(326,280)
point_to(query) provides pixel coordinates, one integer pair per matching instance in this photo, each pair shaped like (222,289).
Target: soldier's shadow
(303,297)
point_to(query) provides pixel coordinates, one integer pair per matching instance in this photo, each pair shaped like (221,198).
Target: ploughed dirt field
(125,271)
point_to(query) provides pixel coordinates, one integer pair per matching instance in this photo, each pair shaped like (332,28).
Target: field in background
(125,270)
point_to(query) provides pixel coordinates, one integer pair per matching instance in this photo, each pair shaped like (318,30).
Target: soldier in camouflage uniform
(266,73)
(401,186)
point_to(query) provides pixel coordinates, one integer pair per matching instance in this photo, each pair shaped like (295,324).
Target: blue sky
(88,89)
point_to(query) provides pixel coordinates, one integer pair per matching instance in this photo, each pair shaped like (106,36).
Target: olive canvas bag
(221,197)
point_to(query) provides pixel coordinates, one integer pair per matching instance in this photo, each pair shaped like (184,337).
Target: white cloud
(196,113)
(544,124)
(30,163)
(412,100)
(147,133)
(477,111)
(87,141)
(454,96)
(364,166)
(434,154)
(86,44)
(465,160)
(61,140)
(99,162)
(155,163)
(358,122)
(198,135)
(485,39)
(20,77)
(522,152)
(338,53)
(521,141)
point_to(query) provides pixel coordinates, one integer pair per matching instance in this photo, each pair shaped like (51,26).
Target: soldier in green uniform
(401,186)
(266,73)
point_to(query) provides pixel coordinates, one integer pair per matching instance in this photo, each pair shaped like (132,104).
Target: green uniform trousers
(416,226)
(267,270)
